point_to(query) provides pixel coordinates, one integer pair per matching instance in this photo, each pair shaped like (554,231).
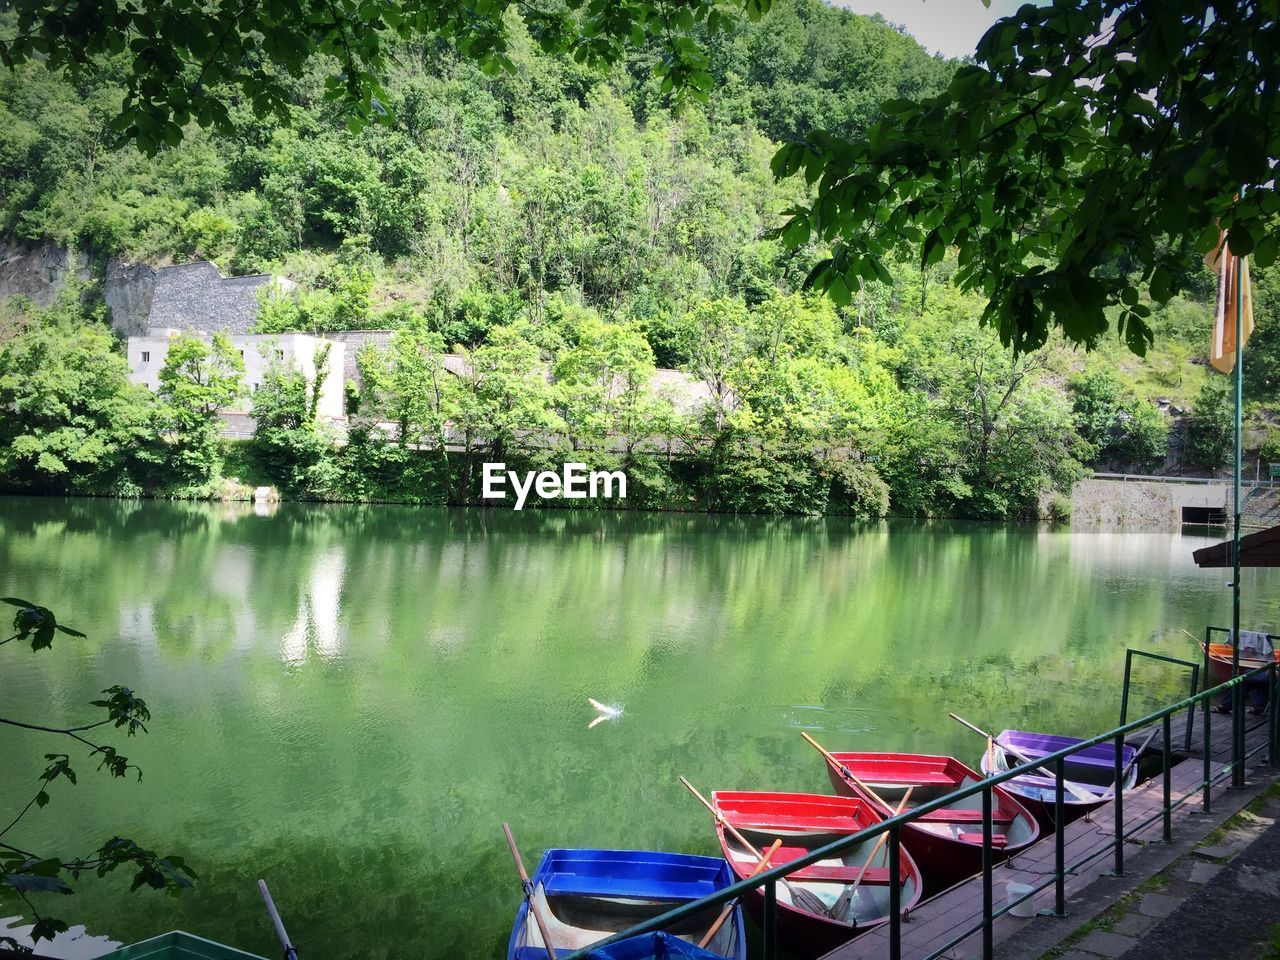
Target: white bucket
(1015,891)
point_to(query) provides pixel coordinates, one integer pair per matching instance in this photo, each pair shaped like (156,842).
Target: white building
(261,352)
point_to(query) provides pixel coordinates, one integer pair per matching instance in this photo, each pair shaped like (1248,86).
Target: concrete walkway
(1220,901)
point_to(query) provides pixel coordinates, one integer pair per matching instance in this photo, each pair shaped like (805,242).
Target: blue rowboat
(587,895)
(1092,770)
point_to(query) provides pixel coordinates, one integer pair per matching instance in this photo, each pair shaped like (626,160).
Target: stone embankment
(1147,502)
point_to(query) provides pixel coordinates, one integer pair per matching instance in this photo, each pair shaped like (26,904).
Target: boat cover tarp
(657,946)
(649,946)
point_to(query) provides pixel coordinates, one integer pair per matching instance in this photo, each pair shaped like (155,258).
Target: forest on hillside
(556,218)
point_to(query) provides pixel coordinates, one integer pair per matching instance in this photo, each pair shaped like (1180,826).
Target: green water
(349,701)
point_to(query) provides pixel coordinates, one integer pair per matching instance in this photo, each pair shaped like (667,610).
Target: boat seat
(997,839)
(964,816)
(819,871)
(1045,783)
(572,884)
(806,824)
(923,778)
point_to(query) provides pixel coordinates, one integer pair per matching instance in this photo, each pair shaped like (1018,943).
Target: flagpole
(1237,692)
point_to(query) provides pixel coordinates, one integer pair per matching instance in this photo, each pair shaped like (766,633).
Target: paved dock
(944,917)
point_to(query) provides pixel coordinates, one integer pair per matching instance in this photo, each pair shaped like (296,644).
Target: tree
(1017,437)
(288,443)
(506,399)
(1122,429)
(1211,426)
(198,379)
(185,64)
(1085,133)
(24,872)
(73,421)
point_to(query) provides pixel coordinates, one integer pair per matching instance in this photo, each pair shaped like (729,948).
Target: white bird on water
(605,712)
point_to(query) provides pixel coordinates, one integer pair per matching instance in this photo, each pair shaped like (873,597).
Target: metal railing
(1147,478)
(767,880)
(1129,654)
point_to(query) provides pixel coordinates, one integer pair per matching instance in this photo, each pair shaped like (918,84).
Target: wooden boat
(179,945)
(1092,771)
(587,895)
(803,822)
(947,843)
(1220,656)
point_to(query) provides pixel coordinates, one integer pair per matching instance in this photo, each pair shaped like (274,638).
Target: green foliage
(1123,430)
(1059,509)
(1270,449)
(1211,425)
(73,421)
(185,65)
(197,380)
(1085,134)
(22,872)
(292,450)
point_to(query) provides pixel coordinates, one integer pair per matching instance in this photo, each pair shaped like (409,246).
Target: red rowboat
(803,822)
(947,843)
(1220,657)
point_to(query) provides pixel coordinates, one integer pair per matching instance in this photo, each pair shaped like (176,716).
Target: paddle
(806,900)
(289,952)
(728,907)
(1124,774)
(528,892)
(1078,792)
(842,905)
(846,772)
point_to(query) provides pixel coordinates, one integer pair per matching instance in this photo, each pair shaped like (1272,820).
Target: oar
(846,899)
(806,900)
(289,952)
(528,892)
(846,772)
(1124,774)
(729,907)
(1077,792)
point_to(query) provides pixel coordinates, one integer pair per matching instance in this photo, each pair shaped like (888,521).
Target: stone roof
(196,296)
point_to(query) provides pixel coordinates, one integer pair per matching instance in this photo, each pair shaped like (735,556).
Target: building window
(146,356)
(279,354)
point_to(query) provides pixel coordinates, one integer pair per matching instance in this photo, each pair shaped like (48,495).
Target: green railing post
(988,896)
(1166,761)
(1271,714)
(770,924)
(1237,699)
(1206,704)
(895,895)
(1191,710)
(1124,690)
(1059,838)
(1118,803)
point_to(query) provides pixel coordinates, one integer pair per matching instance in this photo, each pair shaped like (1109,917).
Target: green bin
(176,945)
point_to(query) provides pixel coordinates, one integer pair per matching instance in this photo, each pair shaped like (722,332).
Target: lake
(348,701)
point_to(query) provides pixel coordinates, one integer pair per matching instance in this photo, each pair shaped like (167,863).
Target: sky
(951,27)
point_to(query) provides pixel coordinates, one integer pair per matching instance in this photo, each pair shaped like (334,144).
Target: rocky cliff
(39,272)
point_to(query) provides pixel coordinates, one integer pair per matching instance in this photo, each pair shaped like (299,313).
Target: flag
(1222,351)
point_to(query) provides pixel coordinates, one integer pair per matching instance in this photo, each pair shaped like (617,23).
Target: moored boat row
(577,898)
